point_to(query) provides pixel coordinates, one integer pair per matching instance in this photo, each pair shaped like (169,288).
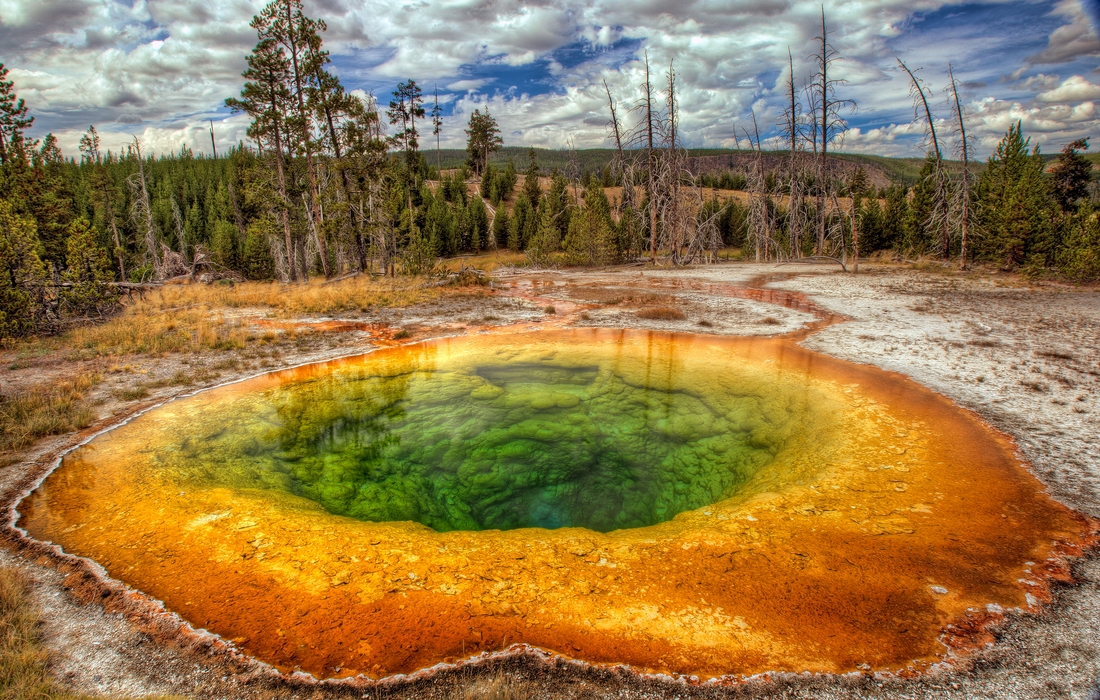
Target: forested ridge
(331,184)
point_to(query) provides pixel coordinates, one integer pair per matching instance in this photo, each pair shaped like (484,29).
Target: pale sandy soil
(1026,360)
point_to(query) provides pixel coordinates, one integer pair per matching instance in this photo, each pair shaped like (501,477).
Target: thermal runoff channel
(673,502)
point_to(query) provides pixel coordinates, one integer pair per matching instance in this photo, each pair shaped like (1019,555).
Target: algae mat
(685,504)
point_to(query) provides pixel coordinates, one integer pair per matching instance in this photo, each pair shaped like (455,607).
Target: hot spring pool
(678,503)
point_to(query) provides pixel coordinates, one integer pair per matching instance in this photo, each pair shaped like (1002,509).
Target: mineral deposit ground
(906,507)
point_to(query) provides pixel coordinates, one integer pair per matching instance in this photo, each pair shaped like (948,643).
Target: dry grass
(661,313)
(613,296)
(45,409)
(24,664)
(771,321)
(196,317)
(500,687)
(145,329)
(487,261)
(355,294)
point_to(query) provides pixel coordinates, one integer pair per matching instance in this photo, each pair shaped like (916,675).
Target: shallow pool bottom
(830,551)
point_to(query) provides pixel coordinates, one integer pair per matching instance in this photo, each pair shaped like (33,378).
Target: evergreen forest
(330,184)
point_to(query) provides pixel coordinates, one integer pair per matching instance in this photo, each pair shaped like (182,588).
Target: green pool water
(507,438)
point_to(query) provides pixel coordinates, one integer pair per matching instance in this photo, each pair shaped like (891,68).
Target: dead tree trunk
(963,197)
(652,166)
(142,211)
(938,223)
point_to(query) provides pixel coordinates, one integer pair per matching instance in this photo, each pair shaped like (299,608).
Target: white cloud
(467,85)
(1074,89)
(1069,41)
(165,66)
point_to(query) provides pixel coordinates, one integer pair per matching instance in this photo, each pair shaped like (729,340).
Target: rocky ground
(1024,358)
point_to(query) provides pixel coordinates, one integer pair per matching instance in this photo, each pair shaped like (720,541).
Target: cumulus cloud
(166,66)
(1070,41)
(1074,89)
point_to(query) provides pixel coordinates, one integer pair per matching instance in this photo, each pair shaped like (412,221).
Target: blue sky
(160,69)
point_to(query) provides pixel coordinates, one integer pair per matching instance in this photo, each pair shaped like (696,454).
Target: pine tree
(915,238)
(266,98)
(284,22)
(1079,258)
(1071,174)
(257,262)
(225,245)
(488,182)
(531,180)
(546,239)
(508,181)
(894,215)
(13,119)
(105,196)
(89,274)
(405,109)
(631,233)
(872,235)
(22,275)
(522,224)
(482,138)
(1013,199)
(559,202)
(592,238)
(501,228)
(478,218)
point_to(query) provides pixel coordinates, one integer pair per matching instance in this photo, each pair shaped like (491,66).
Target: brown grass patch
(355,294)
(24,663)
(197,317)
(661,313)
(613,296)
(499,687)
(984,343)
(770,321)
(45,409)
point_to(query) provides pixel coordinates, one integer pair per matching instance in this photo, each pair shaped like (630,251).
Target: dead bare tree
(761,216)
(961,200)
(622,167)
(796,180)
(651,164)
(828,123)
(938,223)
(141,211)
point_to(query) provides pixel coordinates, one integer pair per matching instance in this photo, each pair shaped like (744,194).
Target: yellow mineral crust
(884,517)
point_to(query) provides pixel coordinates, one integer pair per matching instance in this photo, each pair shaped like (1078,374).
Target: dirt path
(1026,360)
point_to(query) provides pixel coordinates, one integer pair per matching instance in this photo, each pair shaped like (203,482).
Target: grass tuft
(45,409)
(190,318)
(24,664)
(499,687)
(661,313)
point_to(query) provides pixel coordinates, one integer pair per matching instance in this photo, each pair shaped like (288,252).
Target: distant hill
(881,170)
